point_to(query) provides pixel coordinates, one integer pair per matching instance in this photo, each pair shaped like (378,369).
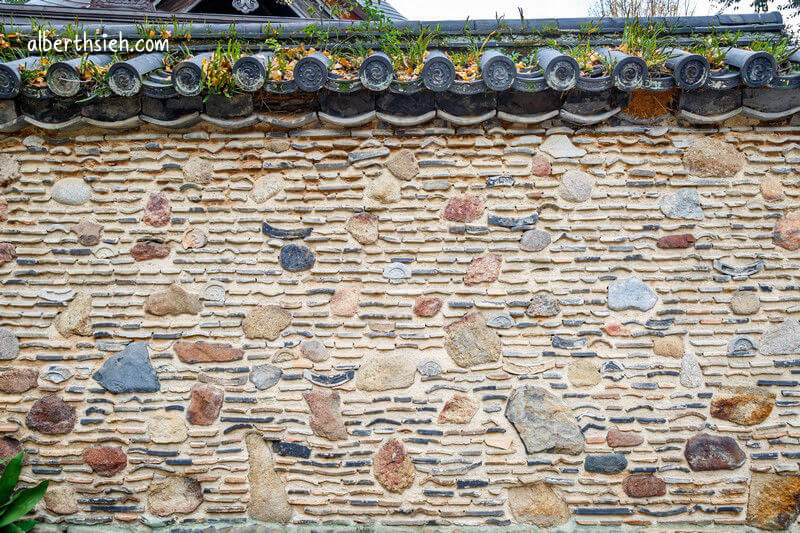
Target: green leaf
(24,501)
(10,477)
(20,526)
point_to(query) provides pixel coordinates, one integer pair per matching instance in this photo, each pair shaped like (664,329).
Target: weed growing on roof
(714,47)
(781,48)
(649,41)
(218,69)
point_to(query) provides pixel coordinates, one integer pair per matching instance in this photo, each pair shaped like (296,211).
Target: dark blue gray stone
(567,344)
(291,449)
(265,376)
(607,463)
(295,258)
(500,181)
(129,371)
(511,222)
(286,234)
(329,381)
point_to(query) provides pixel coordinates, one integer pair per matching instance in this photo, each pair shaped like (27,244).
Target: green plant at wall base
(13,506)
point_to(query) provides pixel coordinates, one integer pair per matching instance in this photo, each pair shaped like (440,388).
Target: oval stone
(745,406)
(265,376)
(745,303)
(71,191)
(51,415)
(706,452)
(607,463)
(105,460)
(644,486)
(576,186)
(392,467)
(18,380)
(296,258)
(534,240)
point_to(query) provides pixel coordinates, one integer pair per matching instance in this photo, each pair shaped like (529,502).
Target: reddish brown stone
(144,250)
(326,416)
(711,452)
(787,232)
(540,166)
(483,269)
(616,330)
(8,252)
(88,232)
(458,410)
(18,380)
(3,210)
(684,240)
(205,403)
(427,306)
(157,211)
(463,208)
(392,467)
(9,446)
(105,460)
(203,352)
(644,486)
(51,415)
(621,439)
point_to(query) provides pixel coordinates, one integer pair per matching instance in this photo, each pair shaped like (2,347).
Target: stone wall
(487,326)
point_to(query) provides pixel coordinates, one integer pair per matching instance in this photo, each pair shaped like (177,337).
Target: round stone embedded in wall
(534,240)
(296,258)
(429,368)
(543,305)
(745,303)
(314,350)
(709,158)
(363,227)
(71,191)
(576,186)
(194,238)
(51,415)
(265,376)
(540,166)
(684,203)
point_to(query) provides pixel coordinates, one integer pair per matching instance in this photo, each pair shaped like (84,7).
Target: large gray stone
(783,339)
(265,376)
(576,186)
(544,422)
(684,203)
(560,146)
(471,342)
(9,345)
(630,293)
(71,191)
(129,371)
